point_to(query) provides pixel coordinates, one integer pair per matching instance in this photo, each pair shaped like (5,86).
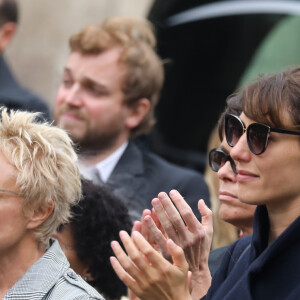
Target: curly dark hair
(96,221)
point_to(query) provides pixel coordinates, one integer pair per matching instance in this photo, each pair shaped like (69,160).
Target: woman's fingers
(163,218)
(137,226)
(157,235)
(207,216)
(144,230)
(133,285)
(124,265)
(146,272)
(185,211)
(155,259)
(178,256)
(155,219)
(173,223)
(122,274)
(133,252)
(132,296)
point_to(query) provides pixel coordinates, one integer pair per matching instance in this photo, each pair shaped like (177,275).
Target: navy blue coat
(14,96)
(253,270)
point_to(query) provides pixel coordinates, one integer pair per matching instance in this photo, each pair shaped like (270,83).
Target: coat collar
(261,227)
(41,276)
(129,182)
(130,164)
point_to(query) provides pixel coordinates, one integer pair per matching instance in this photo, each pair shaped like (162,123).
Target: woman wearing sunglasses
(266,149)
(231,209)
(265,143)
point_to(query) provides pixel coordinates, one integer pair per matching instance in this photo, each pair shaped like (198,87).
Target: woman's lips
(244,175)
(226,196)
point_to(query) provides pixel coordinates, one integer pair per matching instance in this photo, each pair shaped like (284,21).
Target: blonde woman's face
(14,224)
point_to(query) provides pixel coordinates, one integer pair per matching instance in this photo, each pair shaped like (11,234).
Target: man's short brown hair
(144,71)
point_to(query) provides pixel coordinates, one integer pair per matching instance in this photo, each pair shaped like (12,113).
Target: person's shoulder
(72,286)
(32,102)
(217,253)
(239,245)
(237,251)
(14,96)
(165,176)
(28,102)
(155,161)
(215,259)
(242,243)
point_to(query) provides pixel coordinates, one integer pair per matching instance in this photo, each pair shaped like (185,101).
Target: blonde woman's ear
(39,216)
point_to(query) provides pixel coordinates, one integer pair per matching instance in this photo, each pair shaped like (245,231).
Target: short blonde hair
(144,71)
(46,167)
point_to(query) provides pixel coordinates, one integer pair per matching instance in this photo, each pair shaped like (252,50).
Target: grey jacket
(51,278)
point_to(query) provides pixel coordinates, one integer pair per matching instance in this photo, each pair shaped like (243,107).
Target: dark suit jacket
(14,96)
(140,175)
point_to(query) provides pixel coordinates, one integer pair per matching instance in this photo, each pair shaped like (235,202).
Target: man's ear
(137,112)
(7,32)
(39,216)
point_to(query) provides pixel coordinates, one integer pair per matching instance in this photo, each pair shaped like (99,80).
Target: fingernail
(162,195)
(155,202)
(146,212)
(114,244)
(122,234)
(173,193)
(112,259)
(135,234)
(147,218)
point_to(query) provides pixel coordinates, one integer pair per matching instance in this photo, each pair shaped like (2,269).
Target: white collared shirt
(105,167)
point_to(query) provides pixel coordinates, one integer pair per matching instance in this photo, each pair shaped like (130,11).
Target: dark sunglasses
(257,133)
(217,159)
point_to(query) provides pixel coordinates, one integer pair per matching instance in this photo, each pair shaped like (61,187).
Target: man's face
(90,101)
(7,31)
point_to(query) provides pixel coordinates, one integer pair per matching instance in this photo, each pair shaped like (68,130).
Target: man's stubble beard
(91,143)
(95,143)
